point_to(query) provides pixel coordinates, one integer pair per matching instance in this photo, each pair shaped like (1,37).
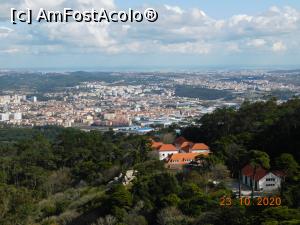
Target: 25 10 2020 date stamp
(272,201)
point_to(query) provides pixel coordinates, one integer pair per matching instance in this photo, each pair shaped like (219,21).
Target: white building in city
(4,117)
(17,116)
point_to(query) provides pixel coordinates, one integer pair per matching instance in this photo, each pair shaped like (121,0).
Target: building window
(270,179)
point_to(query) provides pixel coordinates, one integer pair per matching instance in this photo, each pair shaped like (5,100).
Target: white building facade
(263,180)
(165,154)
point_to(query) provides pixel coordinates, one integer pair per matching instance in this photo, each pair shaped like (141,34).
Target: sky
(188,34)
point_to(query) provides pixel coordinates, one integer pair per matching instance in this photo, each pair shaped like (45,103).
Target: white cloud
(4,31)
(237,19)
(256,43)
(5,8)
(76,4)
(80,34)
(233,47)
(10,50)
(174,9)
(274,9)
(186,31)
(279,46)
(187,48)
(70,35)
(198,14)
(126,27)
(36,4)
(52,5)
(87,4)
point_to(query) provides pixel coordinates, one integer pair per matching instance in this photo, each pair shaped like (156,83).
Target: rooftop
(200,146)
(167,147)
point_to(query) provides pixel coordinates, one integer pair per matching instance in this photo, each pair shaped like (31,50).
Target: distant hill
(286,71)
(51,81)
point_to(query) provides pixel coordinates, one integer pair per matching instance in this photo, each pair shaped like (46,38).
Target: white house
(264,180)
(166,150)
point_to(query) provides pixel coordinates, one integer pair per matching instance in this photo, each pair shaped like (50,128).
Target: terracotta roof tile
(182,158)
(186,144)
(200,146)
(260,172)
(248,171)
(167,147)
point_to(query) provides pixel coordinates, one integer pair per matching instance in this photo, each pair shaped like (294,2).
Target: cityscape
(145,112)
(135,101)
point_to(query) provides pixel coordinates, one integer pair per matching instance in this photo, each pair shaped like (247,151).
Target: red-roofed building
(181,145)
(200,148)
(185,146)
(177,161)
(263,179)
(165,150)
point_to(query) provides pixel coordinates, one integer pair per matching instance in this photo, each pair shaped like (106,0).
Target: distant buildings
(144,103)
(33,99)
(133,129)
(7,99)
(4,117)
(17,116)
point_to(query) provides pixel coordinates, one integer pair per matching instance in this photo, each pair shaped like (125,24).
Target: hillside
(59,176)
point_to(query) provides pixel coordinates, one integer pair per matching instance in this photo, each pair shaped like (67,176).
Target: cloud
(178,30)
(198,14)
(87,4)
(239,19)
(69,36)
(274,9)
(10,50)
(52,5)
(79,34)
(187,48)
(5,8)
(279,47)
(174,9)
(59,4)
(233,47)
(36,4)
(256,43)
(4,31)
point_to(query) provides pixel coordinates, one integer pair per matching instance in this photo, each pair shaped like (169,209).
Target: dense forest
(58,176)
